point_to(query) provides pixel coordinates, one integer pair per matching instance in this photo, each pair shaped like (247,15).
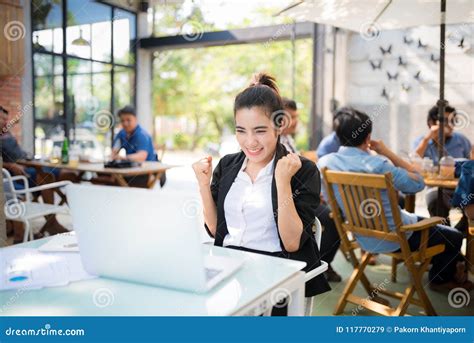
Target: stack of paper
(66,242)
(30,269)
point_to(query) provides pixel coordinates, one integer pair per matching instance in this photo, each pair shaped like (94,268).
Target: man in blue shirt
(456,145)
(329,144)
(137,143)
(356,155)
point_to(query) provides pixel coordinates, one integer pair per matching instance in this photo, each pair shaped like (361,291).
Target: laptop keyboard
(212,273)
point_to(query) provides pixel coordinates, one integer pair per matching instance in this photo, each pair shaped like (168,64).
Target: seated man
(456,145)
(137,144)
(286,137)
(355,155)
(11,153)
(330,240)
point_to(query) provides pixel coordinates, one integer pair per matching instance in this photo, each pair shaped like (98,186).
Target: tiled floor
(325,304)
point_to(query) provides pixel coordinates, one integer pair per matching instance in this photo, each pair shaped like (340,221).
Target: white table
(250,291)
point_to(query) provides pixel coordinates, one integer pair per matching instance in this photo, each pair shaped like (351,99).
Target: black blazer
(305,185)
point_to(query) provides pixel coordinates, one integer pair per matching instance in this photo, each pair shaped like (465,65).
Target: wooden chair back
(362,207)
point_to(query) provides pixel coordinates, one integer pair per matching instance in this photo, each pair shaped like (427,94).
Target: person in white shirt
(290,124)
(330,240)
(263,199)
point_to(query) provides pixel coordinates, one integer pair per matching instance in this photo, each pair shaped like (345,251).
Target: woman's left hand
(286,167)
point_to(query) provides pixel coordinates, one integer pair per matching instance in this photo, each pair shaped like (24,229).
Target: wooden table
(448,184)
(430,182)
(153,169)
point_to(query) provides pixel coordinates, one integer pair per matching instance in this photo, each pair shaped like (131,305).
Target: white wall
(403,117)
(144,77)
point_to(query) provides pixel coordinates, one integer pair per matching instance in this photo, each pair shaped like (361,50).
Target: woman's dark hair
(433,114)
(262,92)
(352,126)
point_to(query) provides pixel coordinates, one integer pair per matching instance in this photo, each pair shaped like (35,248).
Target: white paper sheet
(30,269)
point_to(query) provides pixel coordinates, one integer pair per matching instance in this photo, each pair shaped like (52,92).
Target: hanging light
(80,41)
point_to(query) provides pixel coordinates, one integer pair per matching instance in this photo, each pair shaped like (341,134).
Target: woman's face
(256,134)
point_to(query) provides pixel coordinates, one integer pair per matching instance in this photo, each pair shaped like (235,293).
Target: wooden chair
(357,190)
(160,151)
(310,155)
(470,246)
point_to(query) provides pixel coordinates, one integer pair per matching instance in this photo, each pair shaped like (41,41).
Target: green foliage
(201,84)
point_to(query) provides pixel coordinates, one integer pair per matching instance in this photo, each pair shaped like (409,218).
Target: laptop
(145,236)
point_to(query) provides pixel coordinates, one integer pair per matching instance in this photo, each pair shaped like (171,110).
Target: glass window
(184,107)
(47,25)
(124,37)
(124,87)
(101,86)
(48,40)
(101,41)
(86,62)
(78,40)
(89,30)
(193,18)
(46,136)
(79,85)
(46,14)
(89,89)
(48,87)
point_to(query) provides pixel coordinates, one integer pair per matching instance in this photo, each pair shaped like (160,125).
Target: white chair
(19,205)
(318,230)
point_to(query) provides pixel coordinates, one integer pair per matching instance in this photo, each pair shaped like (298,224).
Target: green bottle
(65,151)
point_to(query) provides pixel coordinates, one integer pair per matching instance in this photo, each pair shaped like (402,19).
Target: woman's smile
(254,151)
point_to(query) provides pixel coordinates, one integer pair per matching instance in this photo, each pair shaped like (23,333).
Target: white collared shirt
(249,212)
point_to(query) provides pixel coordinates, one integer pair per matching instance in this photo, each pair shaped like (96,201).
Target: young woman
(262,199)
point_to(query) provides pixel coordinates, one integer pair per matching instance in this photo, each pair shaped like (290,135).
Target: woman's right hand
(203,170)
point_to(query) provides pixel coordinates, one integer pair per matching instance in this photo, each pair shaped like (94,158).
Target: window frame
(66,121)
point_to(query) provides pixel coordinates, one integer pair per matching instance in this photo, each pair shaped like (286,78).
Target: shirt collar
(137,129)
(351,150)
(267,170)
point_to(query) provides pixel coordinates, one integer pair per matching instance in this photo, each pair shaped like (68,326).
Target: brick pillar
(10,99)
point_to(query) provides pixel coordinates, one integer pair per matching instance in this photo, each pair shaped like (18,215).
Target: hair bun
(265,80)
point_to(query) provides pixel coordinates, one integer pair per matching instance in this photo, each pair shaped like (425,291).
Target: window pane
(187,111)
(48,40)
(79,85)
(101,41)
(48,86)
(47,14)
(89,89)
(46,136)
(192,18)
(124,37)
(47,23)
(101,88)
(124,87)
(89,29)
(78,41)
